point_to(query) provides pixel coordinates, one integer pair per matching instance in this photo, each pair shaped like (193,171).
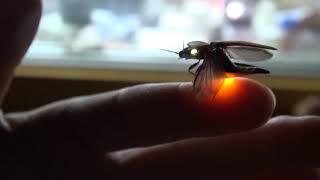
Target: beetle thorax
(213,44)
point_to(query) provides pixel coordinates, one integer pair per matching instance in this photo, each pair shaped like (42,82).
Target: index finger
(153,113)
(241,104)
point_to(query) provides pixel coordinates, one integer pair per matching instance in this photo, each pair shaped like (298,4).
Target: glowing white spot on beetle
(194,52)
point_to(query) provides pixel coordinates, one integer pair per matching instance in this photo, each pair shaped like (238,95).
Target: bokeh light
(235,10)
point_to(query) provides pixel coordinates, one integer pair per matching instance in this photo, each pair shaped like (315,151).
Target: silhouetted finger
(153,113)
(19,22)
(285,144)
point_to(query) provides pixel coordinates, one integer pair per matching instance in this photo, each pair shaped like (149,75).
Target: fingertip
(241,104)
(252,101)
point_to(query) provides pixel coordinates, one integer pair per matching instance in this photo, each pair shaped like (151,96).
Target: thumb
(19,20)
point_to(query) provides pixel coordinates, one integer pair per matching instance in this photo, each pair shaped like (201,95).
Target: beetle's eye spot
(194,52)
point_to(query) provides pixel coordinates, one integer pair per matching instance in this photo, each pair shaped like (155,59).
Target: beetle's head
(191,53)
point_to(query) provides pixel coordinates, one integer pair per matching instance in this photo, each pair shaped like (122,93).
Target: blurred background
(85,47)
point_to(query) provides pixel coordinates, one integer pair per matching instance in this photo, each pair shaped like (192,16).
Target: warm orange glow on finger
(221,92)
(230,75)
(228,82)
(229,90)
(239,104)
(227,94)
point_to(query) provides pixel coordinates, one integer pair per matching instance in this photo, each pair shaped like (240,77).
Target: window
(127,34)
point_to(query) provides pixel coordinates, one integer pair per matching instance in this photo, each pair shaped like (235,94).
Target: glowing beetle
(216,65)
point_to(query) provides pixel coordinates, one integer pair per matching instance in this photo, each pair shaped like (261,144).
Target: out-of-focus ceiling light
(235,10)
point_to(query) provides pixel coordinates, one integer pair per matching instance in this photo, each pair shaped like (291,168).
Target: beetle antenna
(169,51)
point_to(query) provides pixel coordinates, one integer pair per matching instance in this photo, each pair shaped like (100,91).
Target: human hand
(92,137)
(81,131)
(178,138)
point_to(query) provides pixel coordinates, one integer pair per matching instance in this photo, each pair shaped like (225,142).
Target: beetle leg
(197,75)
(192,66)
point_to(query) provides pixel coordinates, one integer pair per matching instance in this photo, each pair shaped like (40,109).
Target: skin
(151,131)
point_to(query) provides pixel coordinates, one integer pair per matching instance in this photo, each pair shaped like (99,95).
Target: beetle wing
(243,43)
(208,80)
(247,53)
(197,43)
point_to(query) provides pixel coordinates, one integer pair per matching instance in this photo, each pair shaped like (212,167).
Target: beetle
(217,66)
